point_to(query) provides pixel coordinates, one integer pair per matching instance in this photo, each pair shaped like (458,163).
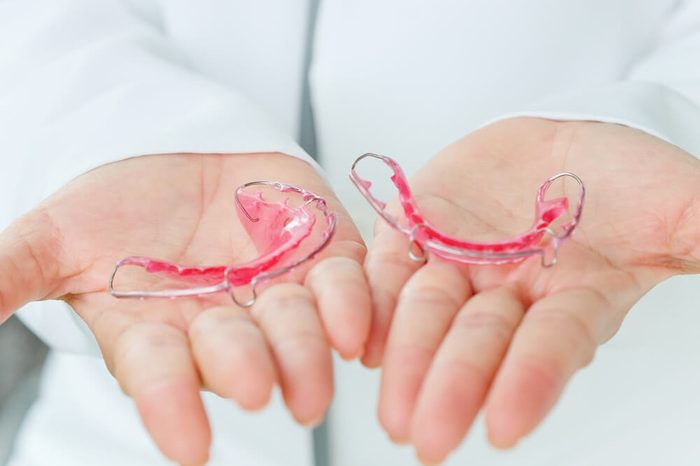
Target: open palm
(180,208)
(453,338)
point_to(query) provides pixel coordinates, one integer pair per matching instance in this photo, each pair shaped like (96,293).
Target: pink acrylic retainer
(424,238)
(282,233)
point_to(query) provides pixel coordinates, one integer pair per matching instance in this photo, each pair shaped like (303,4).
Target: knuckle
(284,293)
(493,322)
(217,320)
(299,343)
(578,337)
(384,258)
(33,257)
(430,296)
(469,369)
(331,267)
(266,310)
(141,339)
(42,242)
(547,375)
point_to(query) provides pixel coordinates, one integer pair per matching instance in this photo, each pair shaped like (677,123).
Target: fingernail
(425,462)
(398,440)
(500,443)
(197,464)
(370,359)
(351,355)
(314,422)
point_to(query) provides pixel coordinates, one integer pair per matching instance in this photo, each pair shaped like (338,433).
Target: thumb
(29,269)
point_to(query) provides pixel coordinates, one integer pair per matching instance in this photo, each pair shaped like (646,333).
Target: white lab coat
(86,82)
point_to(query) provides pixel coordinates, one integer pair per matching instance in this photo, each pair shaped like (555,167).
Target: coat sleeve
(659,94)
(88,82)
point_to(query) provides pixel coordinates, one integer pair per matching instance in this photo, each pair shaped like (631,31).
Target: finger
(462,371)
(29,268)
(558,336)
(232,355)
(287,316)
(153,364)
(388,268)
(427,304)
(343,298)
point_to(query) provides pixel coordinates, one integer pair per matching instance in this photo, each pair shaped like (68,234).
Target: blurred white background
(21,358)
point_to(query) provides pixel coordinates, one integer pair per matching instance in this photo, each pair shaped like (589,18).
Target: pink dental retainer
(424,238)
(277,230)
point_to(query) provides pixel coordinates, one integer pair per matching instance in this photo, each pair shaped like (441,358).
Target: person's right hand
(180,208)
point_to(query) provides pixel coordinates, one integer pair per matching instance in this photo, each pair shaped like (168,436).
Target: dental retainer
(424,238)
(277,229)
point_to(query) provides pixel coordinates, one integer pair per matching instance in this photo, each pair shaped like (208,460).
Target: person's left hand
(510,337)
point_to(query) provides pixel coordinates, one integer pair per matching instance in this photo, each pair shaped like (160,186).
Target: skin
(451,339)
(162,352)
(455,339)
